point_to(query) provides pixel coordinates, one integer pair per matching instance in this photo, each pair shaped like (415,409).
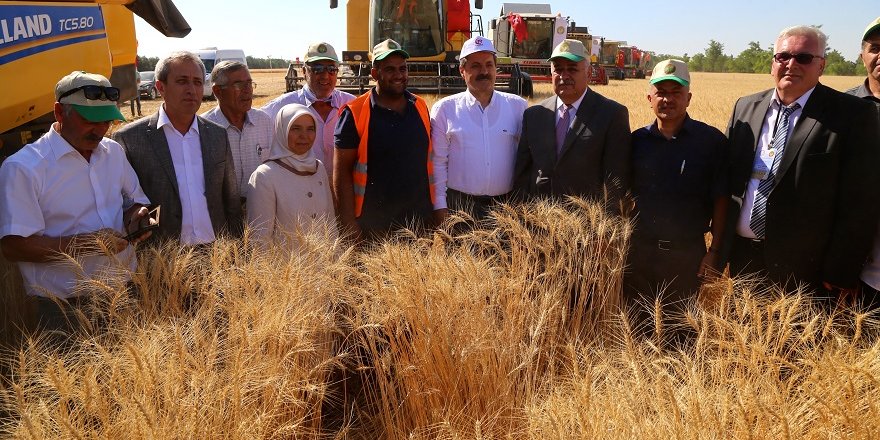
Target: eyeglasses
(94,92)
(321,68)
(242,85)
(801,58)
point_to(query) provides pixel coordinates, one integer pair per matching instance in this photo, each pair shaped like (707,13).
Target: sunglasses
(94,92)
(800,58)
(321,68)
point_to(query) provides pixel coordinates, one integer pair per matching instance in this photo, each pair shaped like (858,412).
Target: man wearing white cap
(475,134)
(319,94)
(576,143)
(65,193)
(680,188)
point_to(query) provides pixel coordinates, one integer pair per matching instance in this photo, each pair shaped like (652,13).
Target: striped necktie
(562,127)
(758,220)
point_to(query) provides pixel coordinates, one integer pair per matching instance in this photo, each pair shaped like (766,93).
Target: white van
(211,56)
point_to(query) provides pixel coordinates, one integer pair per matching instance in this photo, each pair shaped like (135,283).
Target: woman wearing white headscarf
(290,193)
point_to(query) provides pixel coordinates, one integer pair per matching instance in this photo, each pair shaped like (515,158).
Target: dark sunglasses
(321,68)
(94,92)
(800,58)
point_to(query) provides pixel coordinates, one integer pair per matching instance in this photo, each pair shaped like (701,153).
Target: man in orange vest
(387,128)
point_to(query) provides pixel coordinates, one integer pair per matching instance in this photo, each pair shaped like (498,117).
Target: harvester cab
(593,45)
(432,32)
(526,34)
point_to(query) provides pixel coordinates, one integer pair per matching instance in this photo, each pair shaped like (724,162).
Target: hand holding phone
(146,224)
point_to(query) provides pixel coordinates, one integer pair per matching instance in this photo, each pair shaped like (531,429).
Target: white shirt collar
(224,122)
(163,120)
(802,100)
(575,105)
(60,147)
(310,98)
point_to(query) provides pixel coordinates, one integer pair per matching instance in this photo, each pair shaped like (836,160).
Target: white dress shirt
(763,160)
(250,145)
(324,142)
(49,189)
(573,111)
(186,154)
(474,148)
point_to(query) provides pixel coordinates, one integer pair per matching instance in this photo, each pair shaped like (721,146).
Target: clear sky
(284,28)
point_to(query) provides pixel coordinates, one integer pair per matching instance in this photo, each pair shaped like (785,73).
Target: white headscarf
(306,162)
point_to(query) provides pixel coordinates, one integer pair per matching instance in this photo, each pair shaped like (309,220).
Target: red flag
(620,58)
(520,30)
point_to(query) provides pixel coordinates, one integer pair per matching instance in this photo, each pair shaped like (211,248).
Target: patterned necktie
(758,220)
(562,127)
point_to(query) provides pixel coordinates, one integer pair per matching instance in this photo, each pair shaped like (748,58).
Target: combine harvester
(431,31)
(526,34)
(44,40)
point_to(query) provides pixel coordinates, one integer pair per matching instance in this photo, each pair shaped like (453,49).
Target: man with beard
(474,135)
(249,130)
(589,156)
(320,95)
(389,126)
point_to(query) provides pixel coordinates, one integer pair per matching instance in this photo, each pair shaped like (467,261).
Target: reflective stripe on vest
(360,109)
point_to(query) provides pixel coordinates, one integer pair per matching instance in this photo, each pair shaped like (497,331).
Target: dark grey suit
(147,150)
(595,155)
(823,210)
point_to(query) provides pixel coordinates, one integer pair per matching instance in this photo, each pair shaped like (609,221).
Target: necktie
(323,107)
(758,220)
(562,127)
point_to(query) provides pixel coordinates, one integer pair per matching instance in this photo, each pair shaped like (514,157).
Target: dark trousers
(664,269)
(478,206)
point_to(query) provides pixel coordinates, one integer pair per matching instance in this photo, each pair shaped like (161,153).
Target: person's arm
(440,159)
(712,264)
(856,211)
(617,160)
(522,168)
(343,186)
(231,194)
(43,249)
(261,202)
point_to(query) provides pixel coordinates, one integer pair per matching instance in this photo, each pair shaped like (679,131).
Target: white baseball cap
(476,44)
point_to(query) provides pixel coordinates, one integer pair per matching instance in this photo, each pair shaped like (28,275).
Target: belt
(752,243)
(668,245)
(482,198)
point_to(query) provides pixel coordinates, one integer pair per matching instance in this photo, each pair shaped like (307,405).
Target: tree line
(756,59)
(149,63)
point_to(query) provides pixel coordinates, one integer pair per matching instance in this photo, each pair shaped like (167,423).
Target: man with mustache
(249,130)
(803,176)
(183,160)
(320,95)
(576,143)
(71,192)
(474,135)
(870,90)
(389,129)
(680,189)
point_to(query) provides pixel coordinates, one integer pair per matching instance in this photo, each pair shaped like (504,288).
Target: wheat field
(508,329)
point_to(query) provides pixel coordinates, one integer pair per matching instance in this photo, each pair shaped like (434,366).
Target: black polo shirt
(397,175)
(676,181)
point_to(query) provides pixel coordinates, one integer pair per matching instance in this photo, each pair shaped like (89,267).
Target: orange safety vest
(360,109)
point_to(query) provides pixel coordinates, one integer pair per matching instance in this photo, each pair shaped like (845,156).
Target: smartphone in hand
(147,223)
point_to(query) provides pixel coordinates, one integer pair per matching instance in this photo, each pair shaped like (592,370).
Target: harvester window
(539,43)
(415,24)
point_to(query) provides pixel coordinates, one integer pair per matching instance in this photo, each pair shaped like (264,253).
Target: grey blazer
(823,210)
(147,151)
(595,155)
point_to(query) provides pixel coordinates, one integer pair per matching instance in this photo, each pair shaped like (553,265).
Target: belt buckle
(664,245)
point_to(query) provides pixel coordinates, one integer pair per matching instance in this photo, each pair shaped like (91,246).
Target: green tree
(145,64)
(836,64)
(715,60)
(752,60)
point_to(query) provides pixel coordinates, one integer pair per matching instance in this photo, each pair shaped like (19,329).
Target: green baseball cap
(69,91)
(386,48)
(321,51)
(671,70)
(572,50)
(874,26)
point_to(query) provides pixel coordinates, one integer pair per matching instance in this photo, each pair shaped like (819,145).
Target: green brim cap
(671,70)
(669,78)
(101,113)
(387,48)
(572,50)
(874,26)
(321,51)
